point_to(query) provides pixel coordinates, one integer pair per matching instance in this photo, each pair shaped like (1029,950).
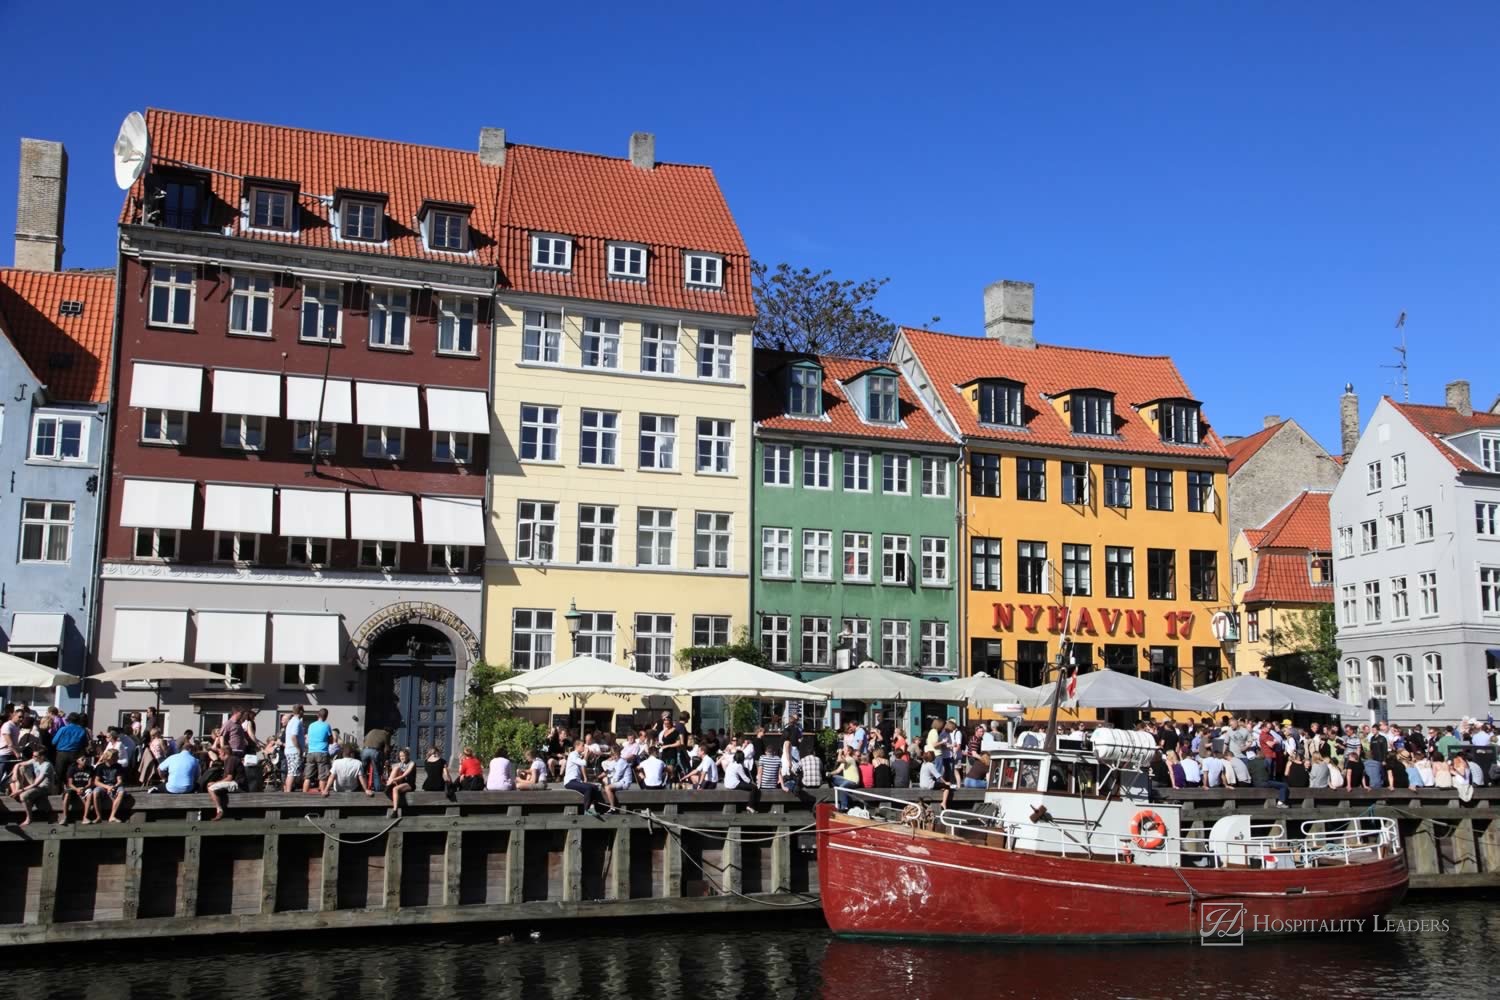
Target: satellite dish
(132,150)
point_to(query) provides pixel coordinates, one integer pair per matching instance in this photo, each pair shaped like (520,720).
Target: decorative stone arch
(393,616)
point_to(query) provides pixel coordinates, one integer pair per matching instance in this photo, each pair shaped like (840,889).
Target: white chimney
(1008,313)
(492,146)
(642,150)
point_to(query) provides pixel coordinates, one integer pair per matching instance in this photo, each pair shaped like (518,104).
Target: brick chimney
(1349,419)
(1008,312)
(492,146)
(1269,422)
(1458,397)
(642,150)
(43,191)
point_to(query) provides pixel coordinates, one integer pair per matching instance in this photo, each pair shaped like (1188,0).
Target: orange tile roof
(320,163)
(951,360)
(30,317)
(1283,578)
(1241,450)
(917,424)
(1438,422)
(1301,524)
(1254,536)
(595,199)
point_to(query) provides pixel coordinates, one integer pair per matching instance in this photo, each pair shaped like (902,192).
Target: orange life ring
(1155,829)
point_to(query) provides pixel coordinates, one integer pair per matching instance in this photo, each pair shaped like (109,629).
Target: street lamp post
(574,620)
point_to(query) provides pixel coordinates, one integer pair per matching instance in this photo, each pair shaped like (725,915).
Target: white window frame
(387,555)
(711,630)
(817,640)
(547,444)
(58,421)
(537,624)
(934,645)
(776,465)
(1374,478)
(384,435)
(713,540)
(596,634)
(626,261)
(601,340)
(895,643)
(1427,589)
(817,554)
(657,643)
(776,638)
(1346,542)
(1395,530)
(1400,599)
(239,542)
(352,212)
(247,288)
(445,229)
(886,390)
(598,533)
(272,196)
(1432,679)
(656,535)
(1378,677)
(321,296)
(895,559)
(857,552)
(301,551)
(1348,606)
(935,561)
(309,677)
(659,348)
(776,553)
(1374,609)
(541,337)
(703,270)
(241,424)
(536,531)
(1489,590)
(453,447)
(599,430)
(233,676)
(163,421)
(860,632)
(1405,679)
(440,558)
(718,435)
(804,387)
(458,316)
(1489,452)
(390,319)
(172,280)
(895,474)
(550,252)
(1487,518)
(1354,681)
(1423,528)
(817,468)
(859,472)
(935,477)
(1398,469)
(154,538)
(302,429)
(716,355)
(1369,536)
(662,432)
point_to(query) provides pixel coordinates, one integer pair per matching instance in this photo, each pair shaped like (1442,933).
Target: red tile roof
(1283,544)
(320,163)
(1283,578)
(841,419)
(951,360)
(670,208)
(1241,450)
(30,317)
(1301,524)
(1439,422)
(1254,536)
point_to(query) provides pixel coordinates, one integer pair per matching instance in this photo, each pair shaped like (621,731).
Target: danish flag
(1073,683)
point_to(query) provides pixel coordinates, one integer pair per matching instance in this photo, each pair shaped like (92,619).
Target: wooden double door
(410,692)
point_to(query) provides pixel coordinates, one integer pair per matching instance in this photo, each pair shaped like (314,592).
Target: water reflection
(739,957)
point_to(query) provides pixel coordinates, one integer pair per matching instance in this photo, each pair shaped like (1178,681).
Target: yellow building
(621,459)
(1092,495)
(1282,574)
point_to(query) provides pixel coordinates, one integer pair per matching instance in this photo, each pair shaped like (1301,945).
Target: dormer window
(704,270)
(1091,412)
(805,387)
(179,202)
(551,253)
(881,399)
(1178,422)
(361,216)
(271,208)
(445,226)
(1000,403)
(627,260)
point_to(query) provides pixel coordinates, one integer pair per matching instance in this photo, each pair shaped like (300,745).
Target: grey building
(55,333)
(1269,468)
(1416,535)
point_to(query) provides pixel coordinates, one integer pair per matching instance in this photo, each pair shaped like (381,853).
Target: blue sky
(1257,190)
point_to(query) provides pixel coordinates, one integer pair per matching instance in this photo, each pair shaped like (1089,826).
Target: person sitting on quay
(705,775)
(181,772)
(575,779)
(400,780)
(501,774)
(534,777)
(231,779)
(33,783)
(77,783)
(347,774)
(109,784)
(845,774)
(933,779)
(619,773)
(435,775)
(652,771)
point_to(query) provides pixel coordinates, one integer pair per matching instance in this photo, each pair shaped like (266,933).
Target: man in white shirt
(574,772)
(293,745)
(348,775)
(1192,771)
(653,771)
(706,775)
(620,772)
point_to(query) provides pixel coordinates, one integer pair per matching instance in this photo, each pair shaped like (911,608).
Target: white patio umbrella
(585,675)
(738,679)
(1249,693)
(878,684)
(157,670)
(1112,689)
(17,671)
(983,690)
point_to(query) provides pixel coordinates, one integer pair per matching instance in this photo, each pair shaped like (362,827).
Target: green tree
(487,721)
(813,312)
(1305,651)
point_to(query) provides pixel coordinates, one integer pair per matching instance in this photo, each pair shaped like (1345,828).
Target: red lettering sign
(1135,624)
(1032,613)
(1057,620)
(1005,617)
(1111,619)
(1085,623)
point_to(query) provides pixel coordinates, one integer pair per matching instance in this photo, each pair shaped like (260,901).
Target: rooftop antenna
(1401,365)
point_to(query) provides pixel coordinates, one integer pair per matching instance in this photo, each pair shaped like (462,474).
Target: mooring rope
(333,836)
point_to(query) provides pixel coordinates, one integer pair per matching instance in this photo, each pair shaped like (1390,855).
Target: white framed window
(1373,477)
(856,471)
(1348,606)
(302,437)
(715,446)
(530,639)
(1487,518)
(242,431)
(659,349)
(536,530)
(541,337)
(658,442)
(655,536)
(448,231)
(155,545)
(817,641)
(1432,678)
(817,554)
(1000,404)
(1119,571)
(1376,666)
(301,676)
(985,562)
(1354,679)
(1178,423)
(1400,604)
(882,404)
(1346,542)
(385,443)
(895,474)
(271,208)
(710,630)
(381,555)
(776,638)
(601,343)
(935,477)
(1489,453)
(776,552)
(1489,590)
(1423,518)
(540,426)
(895,558)
(1398,469)
(1091,412)
(653,644)
(711,540)
(856,631)
(934,562)
(172,296)
(895,644)
(856,557)
(1372,601)
(252,304)
(455,558)
(551,253)
(56,438)
(596,534)
(596,634)
(627,261)
(308,552)
(599,438)
(232,676)
(361,220)
(934,653)
(1427,588)
(1395,530)
(322,311)
(805,391)
(817,468)
(1406,681)
(240,547)
(1078,569)
(390,312)
(453,447)
(457,316)
(776,464)
(704,270)
(163,427)
(715,355)
(1369,536)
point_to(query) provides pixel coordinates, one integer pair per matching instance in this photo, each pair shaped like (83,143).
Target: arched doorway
(410,688)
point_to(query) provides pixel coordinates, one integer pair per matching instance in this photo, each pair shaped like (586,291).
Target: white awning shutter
(154,503)
(32,631)
(255,394)
(298,638)
(304,394)
(384,405)
(231,637)
(143,635)
(382,517)
(237,508)
(452,521)
(313,513)
(458,410)
(166,387)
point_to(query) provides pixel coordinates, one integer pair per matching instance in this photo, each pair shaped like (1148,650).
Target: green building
(856,552)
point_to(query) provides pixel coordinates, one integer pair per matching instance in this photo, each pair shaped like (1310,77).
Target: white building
(1416,537)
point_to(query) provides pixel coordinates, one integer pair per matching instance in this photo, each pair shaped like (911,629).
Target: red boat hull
(888,881)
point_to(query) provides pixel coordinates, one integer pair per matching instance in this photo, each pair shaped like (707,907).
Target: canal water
(1439,948)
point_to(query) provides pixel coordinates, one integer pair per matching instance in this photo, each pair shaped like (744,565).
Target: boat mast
(1064,649)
